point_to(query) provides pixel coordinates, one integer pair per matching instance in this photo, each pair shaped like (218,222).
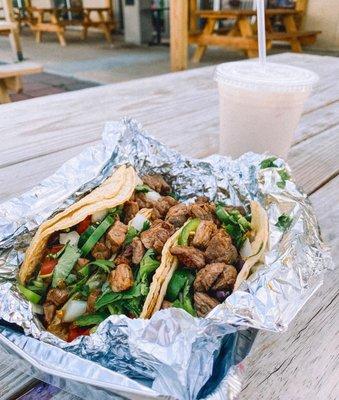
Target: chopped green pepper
(65,264)
(97,234)
(84,236)
(29,295)
(187,230)
(176,284)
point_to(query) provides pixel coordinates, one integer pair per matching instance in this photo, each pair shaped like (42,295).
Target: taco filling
(211,250)
(131,249)
(104,264)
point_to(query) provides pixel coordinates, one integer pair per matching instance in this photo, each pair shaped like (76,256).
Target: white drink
(260,107)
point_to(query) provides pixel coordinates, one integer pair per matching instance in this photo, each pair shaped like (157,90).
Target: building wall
(324,15)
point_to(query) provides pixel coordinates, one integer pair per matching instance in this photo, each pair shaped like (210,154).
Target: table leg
(291,27)
(14,35)
(105,28)
(179,34)
(4,96)
(60,31)
(201,49)
(246,31)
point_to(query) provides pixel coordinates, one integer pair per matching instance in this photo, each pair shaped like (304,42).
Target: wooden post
(14,35)
(179,34)
(192,16)
(301,5)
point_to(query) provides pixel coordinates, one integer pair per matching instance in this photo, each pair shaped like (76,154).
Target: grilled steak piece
(217,276)
(203,303)
(81,263)
(156,237)
(125,257)
(142,201)
(131,209)
(204,233)
(189,256)
(101,251)
(116,236)
(92,299)
(162,206)
(204,211)
(227,279)
(138,250)
(49,312)
(221,249)
(121,278)
(202,199)
(177,215)
(57,296)
(157,183)
(166,304)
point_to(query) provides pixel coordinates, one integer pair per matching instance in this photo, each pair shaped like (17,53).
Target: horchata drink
(260,107)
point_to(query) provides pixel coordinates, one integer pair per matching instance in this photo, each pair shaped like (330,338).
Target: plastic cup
(260,107)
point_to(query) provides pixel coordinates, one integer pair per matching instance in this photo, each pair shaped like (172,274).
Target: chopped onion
(138,222)
(152,195)
(37,309)
(246,250)
(99,216)
(71,237)
(74,309)
(139,181)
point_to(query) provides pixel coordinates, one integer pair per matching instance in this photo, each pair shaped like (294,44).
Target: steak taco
(209,257)
(98,257)
(129,247)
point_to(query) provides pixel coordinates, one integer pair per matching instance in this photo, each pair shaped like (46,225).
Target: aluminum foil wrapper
(172,355)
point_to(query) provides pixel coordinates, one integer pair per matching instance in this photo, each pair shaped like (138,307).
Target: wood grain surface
(181,110)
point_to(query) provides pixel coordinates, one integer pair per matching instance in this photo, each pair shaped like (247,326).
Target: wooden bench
(242,34)
(10,78)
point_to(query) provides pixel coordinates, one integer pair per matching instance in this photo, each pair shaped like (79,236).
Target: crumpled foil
(172,355)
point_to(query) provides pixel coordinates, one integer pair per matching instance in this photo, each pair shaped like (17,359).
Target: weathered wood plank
(184,103)
(317,121)
(302,363)
(315,160)
(12,381)
(180,109)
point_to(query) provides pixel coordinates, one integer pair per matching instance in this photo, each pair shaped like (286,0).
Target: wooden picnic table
(181,110)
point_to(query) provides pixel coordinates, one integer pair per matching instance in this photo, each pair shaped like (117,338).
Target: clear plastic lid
(273,77)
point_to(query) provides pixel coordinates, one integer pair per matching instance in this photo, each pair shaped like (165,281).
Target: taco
(119,250)
(209,257)
(98,257)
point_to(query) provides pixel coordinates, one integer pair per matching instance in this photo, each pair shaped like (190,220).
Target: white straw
(261,31)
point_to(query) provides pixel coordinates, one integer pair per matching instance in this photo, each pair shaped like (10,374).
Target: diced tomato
(48,266)
(56,248)
(75,332)
(83,225)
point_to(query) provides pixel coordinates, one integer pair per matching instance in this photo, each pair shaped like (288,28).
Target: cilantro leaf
(130,235)
(268,163)
(142,188)
(284,222)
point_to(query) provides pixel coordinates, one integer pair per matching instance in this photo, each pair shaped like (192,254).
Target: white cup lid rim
(274,77)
